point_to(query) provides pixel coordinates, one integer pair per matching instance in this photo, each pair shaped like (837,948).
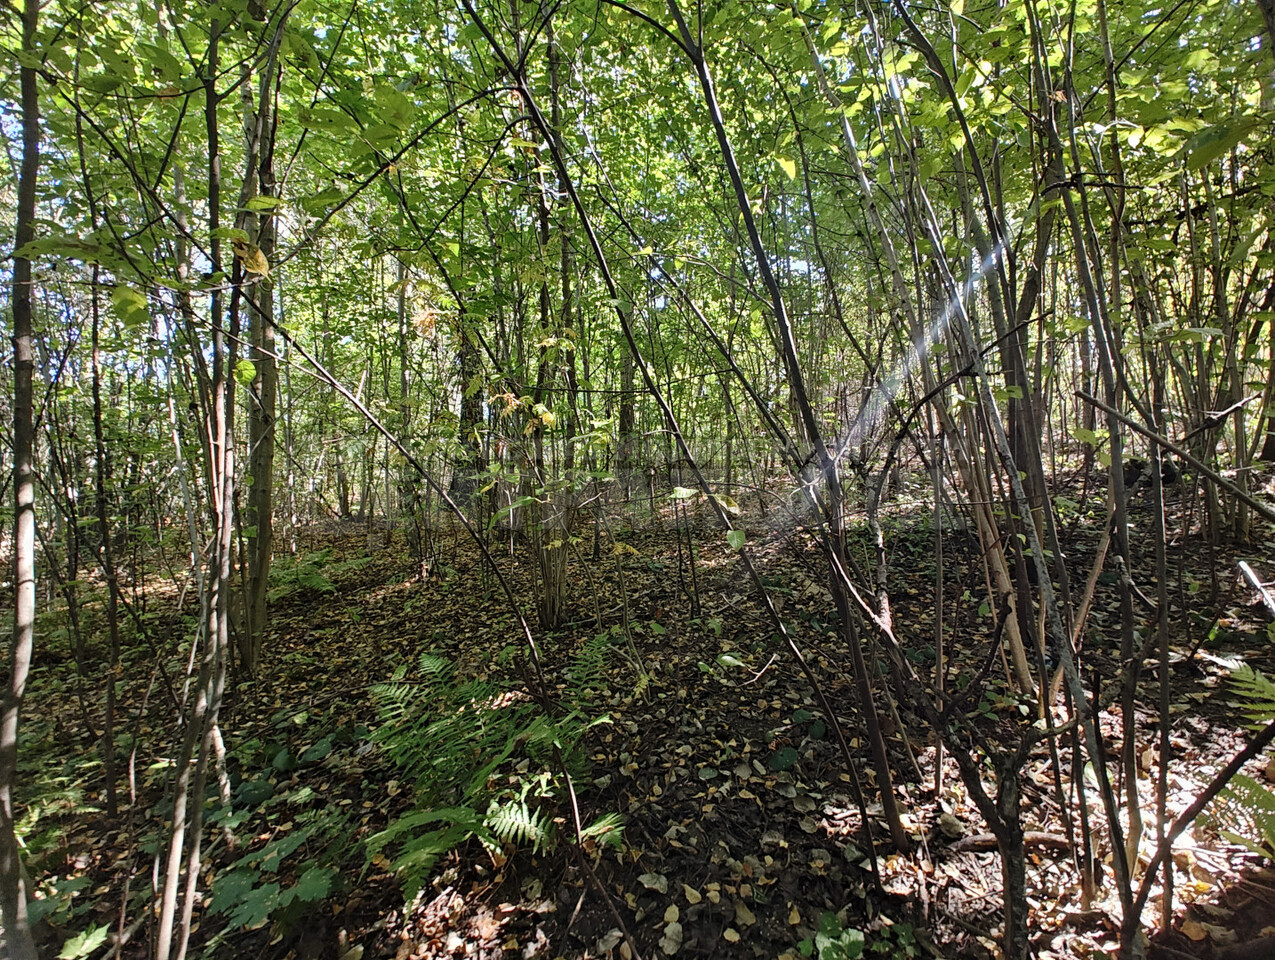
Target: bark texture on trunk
(19,943)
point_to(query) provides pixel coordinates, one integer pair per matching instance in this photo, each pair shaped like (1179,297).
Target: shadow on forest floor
(739,827)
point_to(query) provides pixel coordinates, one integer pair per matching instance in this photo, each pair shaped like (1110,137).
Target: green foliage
(245,894)
(84,944)
(897,941)
(833,941)
(56,903)
(1257,692)
(467,743)
(313,571)
(1244,812)
(588,671)
(516,822)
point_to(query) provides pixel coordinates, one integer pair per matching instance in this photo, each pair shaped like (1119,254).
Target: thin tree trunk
(13,880)
(262,393)
(107,559)
(182,859)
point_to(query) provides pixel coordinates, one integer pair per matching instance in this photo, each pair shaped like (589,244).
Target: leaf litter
(739,828)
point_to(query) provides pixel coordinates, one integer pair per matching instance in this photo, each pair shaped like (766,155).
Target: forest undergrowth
(695,729)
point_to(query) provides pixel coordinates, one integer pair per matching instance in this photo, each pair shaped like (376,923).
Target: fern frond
(435,668)
(608,829)
(1245,814)
(422,852)
(1258,690)
(588,670)
(453,816)
(458,739)
(516,822)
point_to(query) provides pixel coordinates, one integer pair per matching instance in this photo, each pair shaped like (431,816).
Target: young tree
(13,881)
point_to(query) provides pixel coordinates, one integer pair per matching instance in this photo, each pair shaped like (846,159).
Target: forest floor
(740,837)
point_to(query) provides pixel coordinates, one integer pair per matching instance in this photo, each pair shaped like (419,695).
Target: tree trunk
(13,880)
(182,857)
(107,549)
(262,402)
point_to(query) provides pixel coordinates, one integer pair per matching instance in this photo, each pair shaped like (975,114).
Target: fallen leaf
(1193,931)
(654,881)
(671,942)
(692,895)
(743,915)
(730,935)
(608,941)
(950,827)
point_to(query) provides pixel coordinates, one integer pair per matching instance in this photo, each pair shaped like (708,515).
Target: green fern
(460,740)
(1258,692)
(436,668)
(588,670)
(516,822)
(311,572)
(1244,813)
(421,850)
(607,829)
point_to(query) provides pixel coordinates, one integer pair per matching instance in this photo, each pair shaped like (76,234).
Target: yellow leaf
(789,166)
(254,261)
(692,895)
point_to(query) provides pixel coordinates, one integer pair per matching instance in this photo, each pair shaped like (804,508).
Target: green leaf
(81,945)
(245,371)
(253,793)
(736,539)
(262,203)
(783,759)
(683,493)
(166,66)
(130,306)
(229,889)
(255,908)
(318,751)
(1210,143)
(314,884)
(231,234)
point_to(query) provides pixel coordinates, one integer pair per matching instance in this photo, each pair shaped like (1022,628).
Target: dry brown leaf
(1193,931)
